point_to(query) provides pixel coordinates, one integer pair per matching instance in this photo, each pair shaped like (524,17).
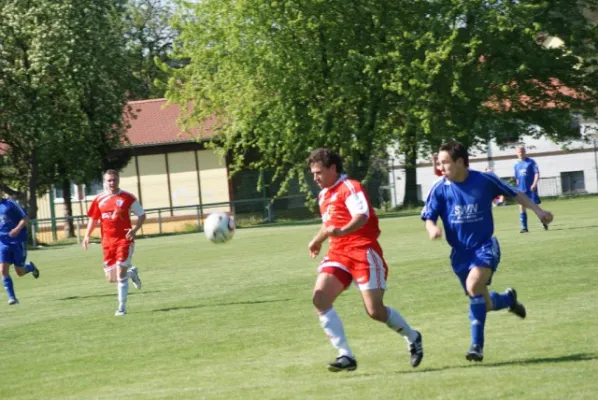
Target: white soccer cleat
(134,275)
(120,311)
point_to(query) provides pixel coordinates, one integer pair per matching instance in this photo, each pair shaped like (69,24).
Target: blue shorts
(487,255)
(533,195)
(13,253)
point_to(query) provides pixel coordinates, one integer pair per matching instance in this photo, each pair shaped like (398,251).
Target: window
(573,182)
(59,193)
(94,188)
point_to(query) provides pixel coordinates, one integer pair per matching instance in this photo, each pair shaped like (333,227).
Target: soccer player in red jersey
(354,254)
(113,208)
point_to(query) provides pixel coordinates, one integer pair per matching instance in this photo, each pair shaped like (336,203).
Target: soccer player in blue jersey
(462,198)
(527,176)
(13,245)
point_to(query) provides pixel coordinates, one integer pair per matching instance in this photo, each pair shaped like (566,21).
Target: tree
(283,78)
(61,91)
(486,73)
(149,40)
(477,70)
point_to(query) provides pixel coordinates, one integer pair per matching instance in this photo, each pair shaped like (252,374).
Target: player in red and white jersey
(113,208)
(354,254)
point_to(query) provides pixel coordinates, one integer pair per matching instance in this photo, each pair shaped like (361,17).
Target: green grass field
(236,321)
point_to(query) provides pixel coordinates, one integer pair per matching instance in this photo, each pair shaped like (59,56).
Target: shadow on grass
(94,296)
(219,305)
(528,361)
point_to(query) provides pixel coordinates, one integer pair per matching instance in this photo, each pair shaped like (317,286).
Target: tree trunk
(410,152)
(69,227)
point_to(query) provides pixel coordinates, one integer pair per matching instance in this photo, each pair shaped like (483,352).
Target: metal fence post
(269,210)
(33,235)
(78,220)
(198,219)
(160,221)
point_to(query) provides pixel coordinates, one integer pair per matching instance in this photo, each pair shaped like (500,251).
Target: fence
(166,220)
(549,187)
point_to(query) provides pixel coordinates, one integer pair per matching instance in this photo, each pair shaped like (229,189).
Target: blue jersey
(466,208)
(525,170)
(10,216)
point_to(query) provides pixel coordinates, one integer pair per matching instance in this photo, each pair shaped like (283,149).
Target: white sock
(396,322)
(333,327)
(123,290)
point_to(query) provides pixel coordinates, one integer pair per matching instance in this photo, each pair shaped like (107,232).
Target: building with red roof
(174,175)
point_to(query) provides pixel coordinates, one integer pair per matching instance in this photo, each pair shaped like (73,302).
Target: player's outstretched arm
(545,216)
(434,231)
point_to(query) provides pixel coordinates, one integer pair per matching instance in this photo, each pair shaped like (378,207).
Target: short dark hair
(327,158)
(456,150)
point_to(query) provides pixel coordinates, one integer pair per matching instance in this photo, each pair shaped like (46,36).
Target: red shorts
(117,252)
(364,265)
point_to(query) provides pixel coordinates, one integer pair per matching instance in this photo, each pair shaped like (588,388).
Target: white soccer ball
(219,227)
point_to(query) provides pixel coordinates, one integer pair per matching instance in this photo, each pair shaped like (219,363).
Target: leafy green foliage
(149,40)
(62,90)
(284,77)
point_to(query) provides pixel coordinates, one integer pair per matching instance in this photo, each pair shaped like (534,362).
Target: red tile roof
(155,123)
(557,95)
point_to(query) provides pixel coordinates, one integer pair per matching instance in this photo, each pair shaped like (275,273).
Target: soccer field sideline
(236,321)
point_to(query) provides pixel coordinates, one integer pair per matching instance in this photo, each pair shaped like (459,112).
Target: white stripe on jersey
(349,185)
(357,204)
(436,183)
(137,209)
(508,189)
(105,199)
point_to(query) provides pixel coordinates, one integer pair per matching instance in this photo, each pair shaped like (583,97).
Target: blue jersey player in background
(462,198)
(13,245)
(527,176)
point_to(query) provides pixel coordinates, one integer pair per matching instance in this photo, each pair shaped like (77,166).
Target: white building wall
(553,159)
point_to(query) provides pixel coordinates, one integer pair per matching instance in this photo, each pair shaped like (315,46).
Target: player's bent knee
(321,300)
(20,271)
(377,312)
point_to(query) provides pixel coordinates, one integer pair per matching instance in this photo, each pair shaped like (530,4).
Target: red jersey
(113,211)
(338,204)
(438,172)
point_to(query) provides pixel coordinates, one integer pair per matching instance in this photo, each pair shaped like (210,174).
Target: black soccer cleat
(475,353)
(524,230)
(343,363)
(416,349)
(35,271)
(517,308)
(545,226)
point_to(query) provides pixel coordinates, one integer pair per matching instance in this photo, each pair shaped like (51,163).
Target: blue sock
(10,291)
(500,300)
(523,219)
(28,267)
(477,317)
